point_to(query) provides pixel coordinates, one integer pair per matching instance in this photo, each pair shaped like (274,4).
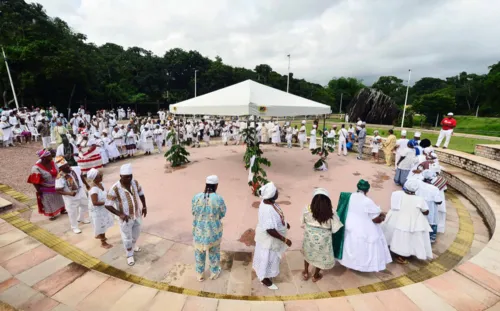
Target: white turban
(417,134)
(322,191)
(412,185)
(268,191)
(212,180)
(303,121)
(435,167)
(450,114)
(92,174)
(428,174)
(126,169)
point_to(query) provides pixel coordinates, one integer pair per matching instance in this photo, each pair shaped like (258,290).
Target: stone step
(4,204)
(488,151)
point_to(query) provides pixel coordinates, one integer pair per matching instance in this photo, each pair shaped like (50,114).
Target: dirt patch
(284,203)
(256,204)
(379,179)
(209,158)
(248,237)
(169,169)
(356,173)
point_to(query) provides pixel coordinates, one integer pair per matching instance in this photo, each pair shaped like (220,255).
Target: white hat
(303,121)
(92,174)
(212,180)
(450,113)
(61,115)
(322,191)
(428,174)
(412,185)
(268,191)
(417,134)
(126,169)
(314,126)
(403,133)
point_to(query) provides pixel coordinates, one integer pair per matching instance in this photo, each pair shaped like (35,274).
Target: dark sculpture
(373,106)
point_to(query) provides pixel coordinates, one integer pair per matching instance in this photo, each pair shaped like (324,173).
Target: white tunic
(313,143)
(431,195)
(302,133)
(276,136)
(365,247)
(268,250)
(405,228)
(101,218)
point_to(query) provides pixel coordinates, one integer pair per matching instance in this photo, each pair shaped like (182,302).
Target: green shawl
(338,237)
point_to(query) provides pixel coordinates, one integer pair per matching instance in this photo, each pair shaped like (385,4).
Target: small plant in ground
(177,155)
(323,151)
(253,150)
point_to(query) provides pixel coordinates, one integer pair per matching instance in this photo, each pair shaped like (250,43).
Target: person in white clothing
(122,200)
(225,134)
(312,139)
(289,135)
(102,148)
(302,136)
(158,136)
(100,217)
(406,228)
(147,140)
(6,128)
(375,144)
(401,145)
(270,237)
(70,184)
(361,244)
(343,134)
(432,196)
(276,135)
(110,146)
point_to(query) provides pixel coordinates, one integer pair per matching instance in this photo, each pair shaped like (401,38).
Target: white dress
(405,228)
(111,148)
(102,151)
(268,250)
(101,218)
(302,135)
(147,141)
(313,143)
(431,195)
(365,247)
(276,136)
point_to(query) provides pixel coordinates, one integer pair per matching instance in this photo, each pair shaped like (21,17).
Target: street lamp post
(195,86)
(288,76)
(406,99)
(10,79)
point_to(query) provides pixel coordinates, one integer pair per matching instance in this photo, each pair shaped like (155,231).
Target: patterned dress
(50,203)
(317,245)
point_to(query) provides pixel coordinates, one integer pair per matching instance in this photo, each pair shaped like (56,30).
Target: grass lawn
(463,144)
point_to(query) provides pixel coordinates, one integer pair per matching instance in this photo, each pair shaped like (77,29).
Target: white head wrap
(212,180)
(320,191)
(303,121)
(417,134)
(92,174)
(314,126)
(450,114)
(268,191)
(428,150)
(412,185)
(428,174)
(126,169)
(435,167)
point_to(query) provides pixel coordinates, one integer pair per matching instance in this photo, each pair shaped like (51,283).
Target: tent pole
(323,133)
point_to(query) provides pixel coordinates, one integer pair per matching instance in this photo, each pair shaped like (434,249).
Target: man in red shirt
(448,124)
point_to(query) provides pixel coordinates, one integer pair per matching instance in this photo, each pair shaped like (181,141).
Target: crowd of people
(356,234)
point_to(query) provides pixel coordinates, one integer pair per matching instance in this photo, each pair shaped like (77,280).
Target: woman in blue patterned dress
(208,210)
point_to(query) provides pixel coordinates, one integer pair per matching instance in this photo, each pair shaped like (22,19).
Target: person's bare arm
(144,208)
(95,200)
(275,234)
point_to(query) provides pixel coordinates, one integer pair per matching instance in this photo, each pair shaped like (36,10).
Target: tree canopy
(51,64)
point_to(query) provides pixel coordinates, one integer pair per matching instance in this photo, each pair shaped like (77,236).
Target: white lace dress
(101,218)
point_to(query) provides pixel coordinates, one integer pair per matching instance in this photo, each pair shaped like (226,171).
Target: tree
(344,88)
(392,87)
(434,104)
(427,85)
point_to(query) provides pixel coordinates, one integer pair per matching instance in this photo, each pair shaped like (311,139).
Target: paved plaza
(45,266)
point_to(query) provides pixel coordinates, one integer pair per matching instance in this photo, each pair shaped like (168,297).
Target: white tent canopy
(250,98)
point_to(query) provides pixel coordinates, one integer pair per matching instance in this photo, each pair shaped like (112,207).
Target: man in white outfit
(302,134)
(70,184)
(401,145)
(123,201)
(343,140)
(448,124)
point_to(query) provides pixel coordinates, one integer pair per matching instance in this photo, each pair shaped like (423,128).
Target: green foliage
(323,151)
(392,87)
(177,155)
(253,149)
(439,102)
(345,88)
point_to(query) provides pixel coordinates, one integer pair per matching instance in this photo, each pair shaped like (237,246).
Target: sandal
(215,276)
(305,275)
(402,261)
(201,278)
(130,261)
(317,278)
(137,249)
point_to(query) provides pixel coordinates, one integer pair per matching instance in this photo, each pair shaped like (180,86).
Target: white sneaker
(137,249)
(85,221)
(77,231)
(130,261)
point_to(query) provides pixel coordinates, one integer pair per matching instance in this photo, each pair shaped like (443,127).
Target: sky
(325,38)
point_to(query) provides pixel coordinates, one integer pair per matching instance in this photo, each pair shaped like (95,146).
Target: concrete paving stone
(60,279)
(340,303)
(8,283)
(304,287)
(396,300)
(105,296)
(453,295)
(301,305)
(234,305)
(480,276)
(240,279)
(6,227)
(63,307)
(479,293)
(17,295)
(295,260)
(43,270)
(175,302)
(366,302)
(425,298)
(4,274)
(194,303)
(135,298)
(11,237)
(17,248)
(75,292)
(267,306)
(39,302)
(219,285)
(29,259)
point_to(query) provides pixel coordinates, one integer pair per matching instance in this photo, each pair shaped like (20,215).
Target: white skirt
(406,244)
(276,139)
(104,155)
(147,146)
(266,262)
(112,151)
(101,219)
(313,143)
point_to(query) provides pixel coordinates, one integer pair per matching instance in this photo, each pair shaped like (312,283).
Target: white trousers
(46,142)
(76,207)
(159,142)
(302,138)
(130,232)
(342,146)
(442,135)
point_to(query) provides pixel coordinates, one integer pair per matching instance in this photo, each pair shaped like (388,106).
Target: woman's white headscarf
(412,185)
(268,191)
(92,174)
(322,191)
